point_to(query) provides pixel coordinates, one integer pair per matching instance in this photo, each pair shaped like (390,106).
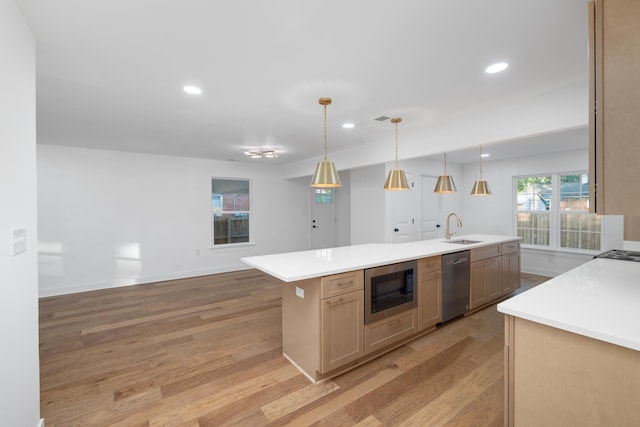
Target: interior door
(403,219)
(323,218)
(430,209)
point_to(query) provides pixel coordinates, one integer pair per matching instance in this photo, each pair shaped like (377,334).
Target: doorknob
(437,225)
(396,229)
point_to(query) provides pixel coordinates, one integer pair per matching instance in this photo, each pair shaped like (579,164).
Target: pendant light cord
(445,163)
(396,145)
(480,162)
(325,132)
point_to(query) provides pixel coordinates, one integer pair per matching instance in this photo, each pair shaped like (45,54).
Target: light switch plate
(19,240)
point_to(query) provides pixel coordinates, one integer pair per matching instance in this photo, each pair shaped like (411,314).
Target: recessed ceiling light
(348,125)
(193,90)
(496,68)
(485,155)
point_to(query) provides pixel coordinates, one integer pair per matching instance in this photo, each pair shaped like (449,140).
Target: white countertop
(293,266)
(599,299)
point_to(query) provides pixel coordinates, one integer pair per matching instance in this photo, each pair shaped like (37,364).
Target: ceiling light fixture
(445,182)
(481,186)
(396,180)
(256,154)
(325,175)
(192,90)
(496,68)
(348,125)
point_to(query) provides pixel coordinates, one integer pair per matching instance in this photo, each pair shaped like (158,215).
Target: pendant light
(396,180)
(445,182)
(325,175)
(481,186)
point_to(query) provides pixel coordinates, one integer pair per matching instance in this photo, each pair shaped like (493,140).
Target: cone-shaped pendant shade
(481,188)
(445,184)
(396,180)
(326,176)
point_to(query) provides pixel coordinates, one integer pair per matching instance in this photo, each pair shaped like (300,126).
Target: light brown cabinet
(385,332)
(323,322)
(558,378)
(614,104)
(485,276)
(342,331)
(429,292)
(510,267)
(485,282)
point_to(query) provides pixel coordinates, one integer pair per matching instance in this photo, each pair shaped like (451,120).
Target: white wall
(494,214)
(19,371)
(110,218)
(367,205)
(448,202)
(343,213)
(371,210)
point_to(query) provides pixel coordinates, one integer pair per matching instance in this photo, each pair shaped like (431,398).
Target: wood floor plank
(207,351)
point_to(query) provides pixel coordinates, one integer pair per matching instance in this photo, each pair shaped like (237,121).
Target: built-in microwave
(389,289)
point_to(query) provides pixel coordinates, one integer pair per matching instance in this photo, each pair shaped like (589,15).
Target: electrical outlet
(299,292)
(19,240)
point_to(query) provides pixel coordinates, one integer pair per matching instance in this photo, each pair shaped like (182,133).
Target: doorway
(415,213)
(323,218)
(430,209)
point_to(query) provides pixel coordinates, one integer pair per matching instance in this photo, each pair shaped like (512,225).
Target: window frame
(554,215)
(230,245)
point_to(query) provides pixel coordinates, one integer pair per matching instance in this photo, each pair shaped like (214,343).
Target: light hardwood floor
(207,351)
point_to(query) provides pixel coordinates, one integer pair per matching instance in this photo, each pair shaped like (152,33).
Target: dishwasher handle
(457,261)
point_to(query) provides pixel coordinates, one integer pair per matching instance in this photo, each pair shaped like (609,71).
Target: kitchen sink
(464,241)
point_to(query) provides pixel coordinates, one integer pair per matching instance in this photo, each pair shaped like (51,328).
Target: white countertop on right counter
(599,299)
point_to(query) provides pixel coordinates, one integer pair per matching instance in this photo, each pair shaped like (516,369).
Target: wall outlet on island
(299,292)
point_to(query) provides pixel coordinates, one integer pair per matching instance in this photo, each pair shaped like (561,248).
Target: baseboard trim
(540,272)
(139,280)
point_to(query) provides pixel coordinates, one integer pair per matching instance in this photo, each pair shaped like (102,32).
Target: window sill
(561,250)
(232,246)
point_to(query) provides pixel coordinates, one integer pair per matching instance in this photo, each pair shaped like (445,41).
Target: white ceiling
(110,72)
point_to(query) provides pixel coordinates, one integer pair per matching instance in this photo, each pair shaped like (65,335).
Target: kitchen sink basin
(464,241)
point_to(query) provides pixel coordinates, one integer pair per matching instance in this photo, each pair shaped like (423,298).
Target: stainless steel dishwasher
(455,284)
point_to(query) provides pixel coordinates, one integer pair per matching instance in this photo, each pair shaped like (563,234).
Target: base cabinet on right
(558,378)
(510,267)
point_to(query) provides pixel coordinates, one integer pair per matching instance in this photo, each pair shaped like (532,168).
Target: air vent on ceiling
(381,118)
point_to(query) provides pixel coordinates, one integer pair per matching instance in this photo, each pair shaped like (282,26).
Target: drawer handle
(350,282)
(337,301)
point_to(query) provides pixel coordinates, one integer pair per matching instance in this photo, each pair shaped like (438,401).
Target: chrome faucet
(448,232)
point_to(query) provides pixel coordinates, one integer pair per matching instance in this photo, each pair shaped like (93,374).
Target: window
(324,195)
(578,228)
(533,209)
(553,211)
(231,210)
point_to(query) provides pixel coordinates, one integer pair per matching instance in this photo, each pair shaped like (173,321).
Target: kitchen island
(324,326)
(572,348)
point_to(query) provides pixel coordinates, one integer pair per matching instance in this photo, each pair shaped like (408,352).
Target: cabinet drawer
(390,330)
(478,254)
(510,247)
(339,284)
(429,265)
